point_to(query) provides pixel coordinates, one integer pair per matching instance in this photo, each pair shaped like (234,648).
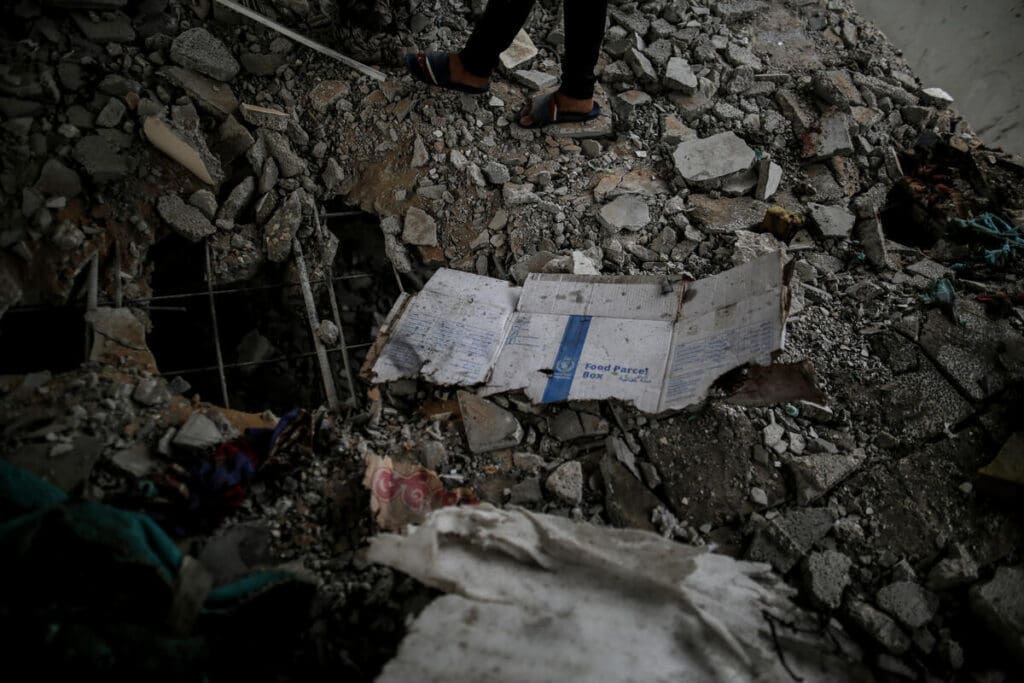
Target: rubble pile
(873,466)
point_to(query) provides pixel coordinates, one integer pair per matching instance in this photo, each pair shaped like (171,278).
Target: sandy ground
(971,48)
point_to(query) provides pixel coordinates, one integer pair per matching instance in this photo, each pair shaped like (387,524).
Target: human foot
(557,108)
(446,71)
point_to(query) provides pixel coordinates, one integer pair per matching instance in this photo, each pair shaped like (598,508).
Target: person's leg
(584,31)
(492,34)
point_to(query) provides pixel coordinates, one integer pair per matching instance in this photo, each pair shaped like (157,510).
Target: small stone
(518,195)
(769,177)
(100,159)
(709,160)
(496,173)
(566,483)
(238,199)
(528,462)
(289,163)
(420,229)
(679,76)
(205,201)
(198,49)
(832,221)
(265,117)
(151,391)
(57,180)
(879,626)
(999,602)
(419,153)
(433,455)
(827,576)
(815,475)
(591,148)
(758,496)
(519,52)
(773,434)
(937,97)
(527,492)
(488,426)
(835,87)
(641,66)
(535,80)
(111,114)
(626,212)
(911,604)
(282,227)
(325,93)
(187,220)
(199,433)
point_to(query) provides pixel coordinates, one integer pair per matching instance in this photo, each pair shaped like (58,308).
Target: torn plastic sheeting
(403,493)
(657,343)
(541,598)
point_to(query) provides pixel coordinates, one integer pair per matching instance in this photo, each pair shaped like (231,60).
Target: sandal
(544,112)
(432,68)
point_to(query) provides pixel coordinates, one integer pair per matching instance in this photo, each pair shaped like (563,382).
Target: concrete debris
(280,230)
(265,117)
(878,626)
(199,50)
(566,483)
(769,177)
(827,576)
(535,80)
(626,212)
(999,603)
(212,96)
(705,162)
(175,144)
(679,76)
(832,221)
(57,180)
(519,52)
(488,427)
(420,229)
(816,475)
(187,221)
(908,602)
(787,538)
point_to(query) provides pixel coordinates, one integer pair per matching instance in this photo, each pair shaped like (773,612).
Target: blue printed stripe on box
(568,358)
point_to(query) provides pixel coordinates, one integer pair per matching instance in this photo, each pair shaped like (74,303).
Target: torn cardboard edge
(653,341)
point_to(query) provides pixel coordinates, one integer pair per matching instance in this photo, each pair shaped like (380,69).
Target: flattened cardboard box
(657,343)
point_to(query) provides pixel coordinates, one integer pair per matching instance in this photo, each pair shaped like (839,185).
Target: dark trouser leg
(584,31)
(493,34)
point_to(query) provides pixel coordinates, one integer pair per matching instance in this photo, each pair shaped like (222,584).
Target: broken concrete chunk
(519,52)
(238,199)
(213,96)
(626,212)
(999,603)
(119,339)
(627,500)
(325,93)
(420,228)
(289,163)
(205,201)
(827,576)
(281,229)
(101,159)
(833,221)
(706,161)
(233,141)
(815,475)
(187,221)
(910,603)
(265,117)
(769,177)
(830,138)
(679,76)
(535,80)
(57,180)
(151,391)
(198,433)
(488,426)
(879,626)
(566,483)
(109,27)
(836,87)
(787,538)
(726,215)
(174,143)
(198,49)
